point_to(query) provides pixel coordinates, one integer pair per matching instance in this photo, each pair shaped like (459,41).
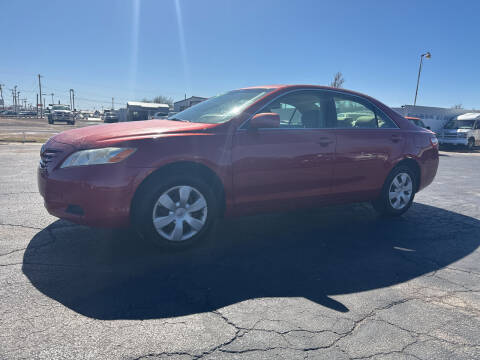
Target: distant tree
(457,106)
(160,99)
(338,80)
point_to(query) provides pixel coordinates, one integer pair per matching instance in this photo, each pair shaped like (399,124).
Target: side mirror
(428,128)
(264,121)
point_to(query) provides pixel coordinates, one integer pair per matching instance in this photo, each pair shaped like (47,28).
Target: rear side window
(352,113)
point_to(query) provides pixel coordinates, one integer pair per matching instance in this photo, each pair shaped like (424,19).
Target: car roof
(468,116)
(305,86)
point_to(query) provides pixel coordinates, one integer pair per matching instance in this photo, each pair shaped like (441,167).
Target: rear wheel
(176,213)
(398,192)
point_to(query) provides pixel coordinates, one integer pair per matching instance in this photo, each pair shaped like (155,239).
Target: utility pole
(113,107)
(15,99)
(40,92)
(52,97)
(1,96)
(72,99)
(428,56)
(14,92)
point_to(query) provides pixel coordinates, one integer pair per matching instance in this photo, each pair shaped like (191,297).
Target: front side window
(301,110)
(352,113)
(221,108)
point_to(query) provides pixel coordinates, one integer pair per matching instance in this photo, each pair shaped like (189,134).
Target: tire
(163,201)
(396,203)
(470,144)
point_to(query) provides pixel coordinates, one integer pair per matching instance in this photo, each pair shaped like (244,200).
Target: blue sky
(131,49)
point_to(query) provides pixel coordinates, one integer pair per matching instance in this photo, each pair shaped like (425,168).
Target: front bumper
(97,195)
(453,141)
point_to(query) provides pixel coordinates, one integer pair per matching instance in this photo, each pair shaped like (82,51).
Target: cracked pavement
(332,283)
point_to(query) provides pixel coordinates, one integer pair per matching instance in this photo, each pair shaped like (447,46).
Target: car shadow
(312,254)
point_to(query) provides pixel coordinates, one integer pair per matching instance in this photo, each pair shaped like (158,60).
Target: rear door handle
(324,142)
(396,138)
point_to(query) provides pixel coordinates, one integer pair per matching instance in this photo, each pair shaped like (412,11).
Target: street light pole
(428,56)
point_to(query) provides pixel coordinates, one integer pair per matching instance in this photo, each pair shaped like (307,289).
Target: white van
(462,130)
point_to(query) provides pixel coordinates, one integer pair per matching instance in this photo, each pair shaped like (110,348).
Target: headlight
(97,156)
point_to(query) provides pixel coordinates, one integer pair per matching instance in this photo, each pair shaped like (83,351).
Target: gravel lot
(335,283)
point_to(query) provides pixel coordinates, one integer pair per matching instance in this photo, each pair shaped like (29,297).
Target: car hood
(61,111)
(106,134)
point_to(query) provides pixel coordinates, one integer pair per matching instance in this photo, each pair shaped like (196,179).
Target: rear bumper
(99,196)
(428,167)
(453,141)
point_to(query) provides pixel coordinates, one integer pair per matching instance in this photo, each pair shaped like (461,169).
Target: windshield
(221,108)
(60,107)
(460,124)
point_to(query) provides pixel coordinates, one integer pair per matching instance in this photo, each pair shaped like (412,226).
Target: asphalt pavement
(332,283)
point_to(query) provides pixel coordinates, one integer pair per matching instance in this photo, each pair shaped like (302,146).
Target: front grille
(47,156)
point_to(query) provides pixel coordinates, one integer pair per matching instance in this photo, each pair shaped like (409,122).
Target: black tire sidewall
(143,209)
(382,204)
(471,144)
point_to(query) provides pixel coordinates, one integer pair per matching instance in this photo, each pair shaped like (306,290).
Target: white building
(434,117)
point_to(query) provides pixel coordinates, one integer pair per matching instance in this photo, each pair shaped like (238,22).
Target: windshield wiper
(177,119)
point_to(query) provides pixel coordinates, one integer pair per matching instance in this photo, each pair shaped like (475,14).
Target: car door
(286,167)
(367,143)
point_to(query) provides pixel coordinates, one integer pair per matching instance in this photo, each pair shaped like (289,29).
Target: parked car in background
(159,115)
(61,113)
(247,151)
(417,121)
(110,117)
(9,113)
(463,130)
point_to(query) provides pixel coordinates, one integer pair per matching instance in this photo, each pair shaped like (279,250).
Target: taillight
(434,141)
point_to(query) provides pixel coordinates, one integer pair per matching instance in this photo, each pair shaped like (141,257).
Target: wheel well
(413,165)
(189,168)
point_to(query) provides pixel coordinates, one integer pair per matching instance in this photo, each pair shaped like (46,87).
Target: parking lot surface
(34,129)
(332,283)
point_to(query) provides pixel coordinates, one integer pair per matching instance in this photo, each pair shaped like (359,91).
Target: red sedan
(258,149)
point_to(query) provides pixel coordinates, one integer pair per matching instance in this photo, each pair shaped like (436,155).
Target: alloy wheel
(180,213)
(400,191)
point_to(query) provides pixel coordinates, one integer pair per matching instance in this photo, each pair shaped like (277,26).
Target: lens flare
(183,47)
(134,51)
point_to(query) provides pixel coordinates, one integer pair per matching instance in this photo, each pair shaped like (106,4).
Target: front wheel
(398,192)
(470,144)
(176,213)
